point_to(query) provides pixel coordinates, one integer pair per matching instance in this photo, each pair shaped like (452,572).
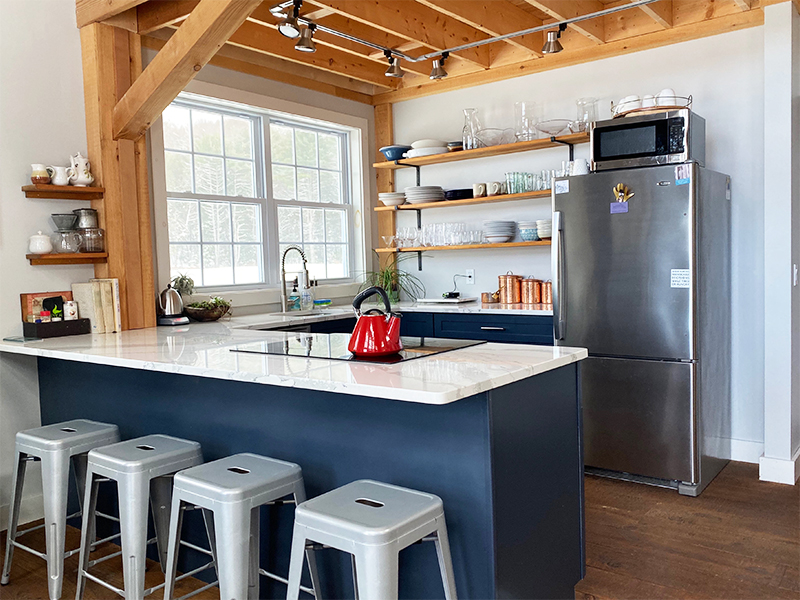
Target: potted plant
(208,310)
(394,280)
(183,284)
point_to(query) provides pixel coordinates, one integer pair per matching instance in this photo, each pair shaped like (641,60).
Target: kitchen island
(494,429)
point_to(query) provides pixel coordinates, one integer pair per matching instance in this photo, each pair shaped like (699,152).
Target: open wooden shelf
(466,201)
(63,192)
(76,258)
(436,159)
(463,247)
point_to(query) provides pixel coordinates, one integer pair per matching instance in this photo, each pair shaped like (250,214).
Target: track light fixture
(552,45)
(288,26)
(306,41)
(438,71)
(394,69)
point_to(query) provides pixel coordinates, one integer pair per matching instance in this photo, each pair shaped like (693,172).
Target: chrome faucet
(284,302)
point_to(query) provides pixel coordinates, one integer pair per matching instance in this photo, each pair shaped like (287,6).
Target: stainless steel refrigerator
(645,287)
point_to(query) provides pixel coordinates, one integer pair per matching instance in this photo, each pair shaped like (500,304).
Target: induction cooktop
(333,346)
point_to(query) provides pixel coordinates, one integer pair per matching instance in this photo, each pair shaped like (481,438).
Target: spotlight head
(306,41)
(394,69)
(552,45)
(289,27)
(438,71)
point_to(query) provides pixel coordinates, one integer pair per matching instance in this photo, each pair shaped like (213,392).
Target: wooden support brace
(204,32)
(384,136)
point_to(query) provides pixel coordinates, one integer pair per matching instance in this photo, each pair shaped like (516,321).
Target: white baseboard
(780,470)
(30,510)
(746,451)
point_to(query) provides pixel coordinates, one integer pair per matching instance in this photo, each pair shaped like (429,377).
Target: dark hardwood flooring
(739,540)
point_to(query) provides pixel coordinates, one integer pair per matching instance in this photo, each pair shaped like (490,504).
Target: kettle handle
(371,291)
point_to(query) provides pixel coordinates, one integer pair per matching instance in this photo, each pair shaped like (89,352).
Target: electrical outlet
(470,276)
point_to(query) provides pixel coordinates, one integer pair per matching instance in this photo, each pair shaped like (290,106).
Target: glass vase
(472,125)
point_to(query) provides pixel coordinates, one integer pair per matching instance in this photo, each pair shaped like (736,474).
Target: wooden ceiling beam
(560,10)
(94,11)
(743,4)
(494,18)
(157,15)
(660,12)
(413,22)
(204,32)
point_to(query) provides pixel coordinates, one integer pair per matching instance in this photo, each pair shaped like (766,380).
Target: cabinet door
(495,328)
(416,324)
(335,326)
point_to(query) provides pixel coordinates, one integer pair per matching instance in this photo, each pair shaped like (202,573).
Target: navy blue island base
(507,463)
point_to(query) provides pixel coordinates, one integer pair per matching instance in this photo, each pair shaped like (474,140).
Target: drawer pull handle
(493,328)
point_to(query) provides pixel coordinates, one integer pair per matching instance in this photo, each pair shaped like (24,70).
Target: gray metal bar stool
(55,446)
(233,489)
(142,468)
(372,521)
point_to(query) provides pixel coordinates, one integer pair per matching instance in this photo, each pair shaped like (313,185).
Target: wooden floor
(740,539)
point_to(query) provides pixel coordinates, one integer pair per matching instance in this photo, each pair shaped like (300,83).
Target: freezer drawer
(639,417)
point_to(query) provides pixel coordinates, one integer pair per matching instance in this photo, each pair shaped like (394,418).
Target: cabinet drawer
(496,328)
(415,324)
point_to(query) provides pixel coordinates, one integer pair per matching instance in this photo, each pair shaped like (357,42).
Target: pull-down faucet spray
(284,303)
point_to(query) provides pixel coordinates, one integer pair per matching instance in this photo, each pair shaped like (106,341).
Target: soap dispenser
(293,302)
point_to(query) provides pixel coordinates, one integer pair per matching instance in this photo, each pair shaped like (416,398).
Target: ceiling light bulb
(306,41)
(438,71)
(289,27)
(552,45)
(394,69)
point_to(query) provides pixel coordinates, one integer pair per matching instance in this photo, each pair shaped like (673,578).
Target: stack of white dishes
(424,193)
(392,198)
(426,148)
(527,231)
(499,232)
(544,228)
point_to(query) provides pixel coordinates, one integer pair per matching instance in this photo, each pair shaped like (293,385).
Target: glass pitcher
(587,113)
(472,125)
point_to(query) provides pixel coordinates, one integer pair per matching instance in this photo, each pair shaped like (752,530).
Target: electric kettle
(169,306)
(377,332)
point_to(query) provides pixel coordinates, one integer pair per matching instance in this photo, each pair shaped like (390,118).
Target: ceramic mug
(580,167)
(478,190)
(39,174)
(60,175)
(494,188)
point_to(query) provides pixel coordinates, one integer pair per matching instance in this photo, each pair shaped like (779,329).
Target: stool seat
(238,478)
(370,512)
(77,436)
(156,455)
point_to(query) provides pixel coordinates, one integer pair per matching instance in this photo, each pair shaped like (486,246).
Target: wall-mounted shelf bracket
(417,167)
(555,140)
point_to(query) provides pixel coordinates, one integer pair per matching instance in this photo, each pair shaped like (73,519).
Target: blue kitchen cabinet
(528,329)
(416,324)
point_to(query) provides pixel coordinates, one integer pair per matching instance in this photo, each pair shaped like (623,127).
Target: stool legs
(55,486)
(87,530)
(377,572)
(175,526)
(255,554)
(233,533)
(296,562)
(133,527)
(13,514)
(300,497)
(160,502)
(445,561)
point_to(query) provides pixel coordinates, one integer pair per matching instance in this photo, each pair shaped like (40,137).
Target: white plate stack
(392,198)
(424,193)
(499,232)
(544,228)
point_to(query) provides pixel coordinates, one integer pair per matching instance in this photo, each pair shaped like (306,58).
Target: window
(242,186)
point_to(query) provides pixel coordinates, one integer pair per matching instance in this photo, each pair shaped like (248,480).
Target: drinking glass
(388,239)
(526,116)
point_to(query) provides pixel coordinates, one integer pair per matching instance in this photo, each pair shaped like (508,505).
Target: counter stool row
(370,520)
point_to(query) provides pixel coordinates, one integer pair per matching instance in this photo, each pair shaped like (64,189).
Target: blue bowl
(394,152)
(528,234)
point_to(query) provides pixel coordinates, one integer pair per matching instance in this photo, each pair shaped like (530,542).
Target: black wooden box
(57,328)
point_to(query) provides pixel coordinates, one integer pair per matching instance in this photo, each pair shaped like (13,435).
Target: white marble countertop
(203,350)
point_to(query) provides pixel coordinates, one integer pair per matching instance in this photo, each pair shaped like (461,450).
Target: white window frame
(357,172)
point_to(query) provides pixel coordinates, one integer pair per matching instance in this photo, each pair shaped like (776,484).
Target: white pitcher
(60,175)
(81,176)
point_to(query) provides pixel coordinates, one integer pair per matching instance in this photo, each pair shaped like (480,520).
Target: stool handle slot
(370,503)
(239,470)
(69,430)
(145,447)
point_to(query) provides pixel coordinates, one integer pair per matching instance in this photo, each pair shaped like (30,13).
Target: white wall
(724,74)
(781,252)
(41,121)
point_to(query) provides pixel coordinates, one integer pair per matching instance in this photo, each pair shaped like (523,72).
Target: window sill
(269,298)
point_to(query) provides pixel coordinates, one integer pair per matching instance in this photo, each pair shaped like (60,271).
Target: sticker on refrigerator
(683,174)
(562,187)
(680,278)
(619,208)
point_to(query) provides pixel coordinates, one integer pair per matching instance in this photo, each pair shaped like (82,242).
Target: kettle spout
(393,332)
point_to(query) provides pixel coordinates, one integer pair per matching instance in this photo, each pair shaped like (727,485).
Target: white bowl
(418,152)
(498,239)
(392,201)
(429,144)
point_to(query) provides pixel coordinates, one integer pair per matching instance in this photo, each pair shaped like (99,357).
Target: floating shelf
(466,201)
(436,159)
(63,192)
(463,247)
(77,258)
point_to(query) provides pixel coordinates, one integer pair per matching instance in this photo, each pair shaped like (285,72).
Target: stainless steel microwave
(664,138)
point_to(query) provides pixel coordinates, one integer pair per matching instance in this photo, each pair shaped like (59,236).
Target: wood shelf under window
(76,258)
(499,150)
(63,192)
(464,247)
(466,201)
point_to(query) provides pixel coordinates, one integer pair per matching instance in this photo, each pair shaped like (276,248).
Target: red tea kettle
(377,333)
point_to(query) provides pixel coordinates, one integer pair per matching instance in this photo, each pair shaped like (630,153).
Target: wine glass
(388,239)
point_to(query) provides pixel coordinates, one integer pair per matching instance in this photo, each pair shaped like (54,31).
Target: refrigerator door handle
(557,266)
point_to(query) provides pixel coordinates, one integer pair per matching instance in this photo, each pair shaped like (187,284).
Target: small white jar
(40,244)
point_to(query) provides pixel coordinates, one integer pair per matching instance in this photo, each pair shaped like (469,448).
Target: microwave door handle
(557,268)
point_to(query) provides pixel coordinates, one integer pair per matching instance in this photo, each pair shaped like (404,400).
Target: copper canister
(510,288)
(488,297)
(547,292)
(531,291)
